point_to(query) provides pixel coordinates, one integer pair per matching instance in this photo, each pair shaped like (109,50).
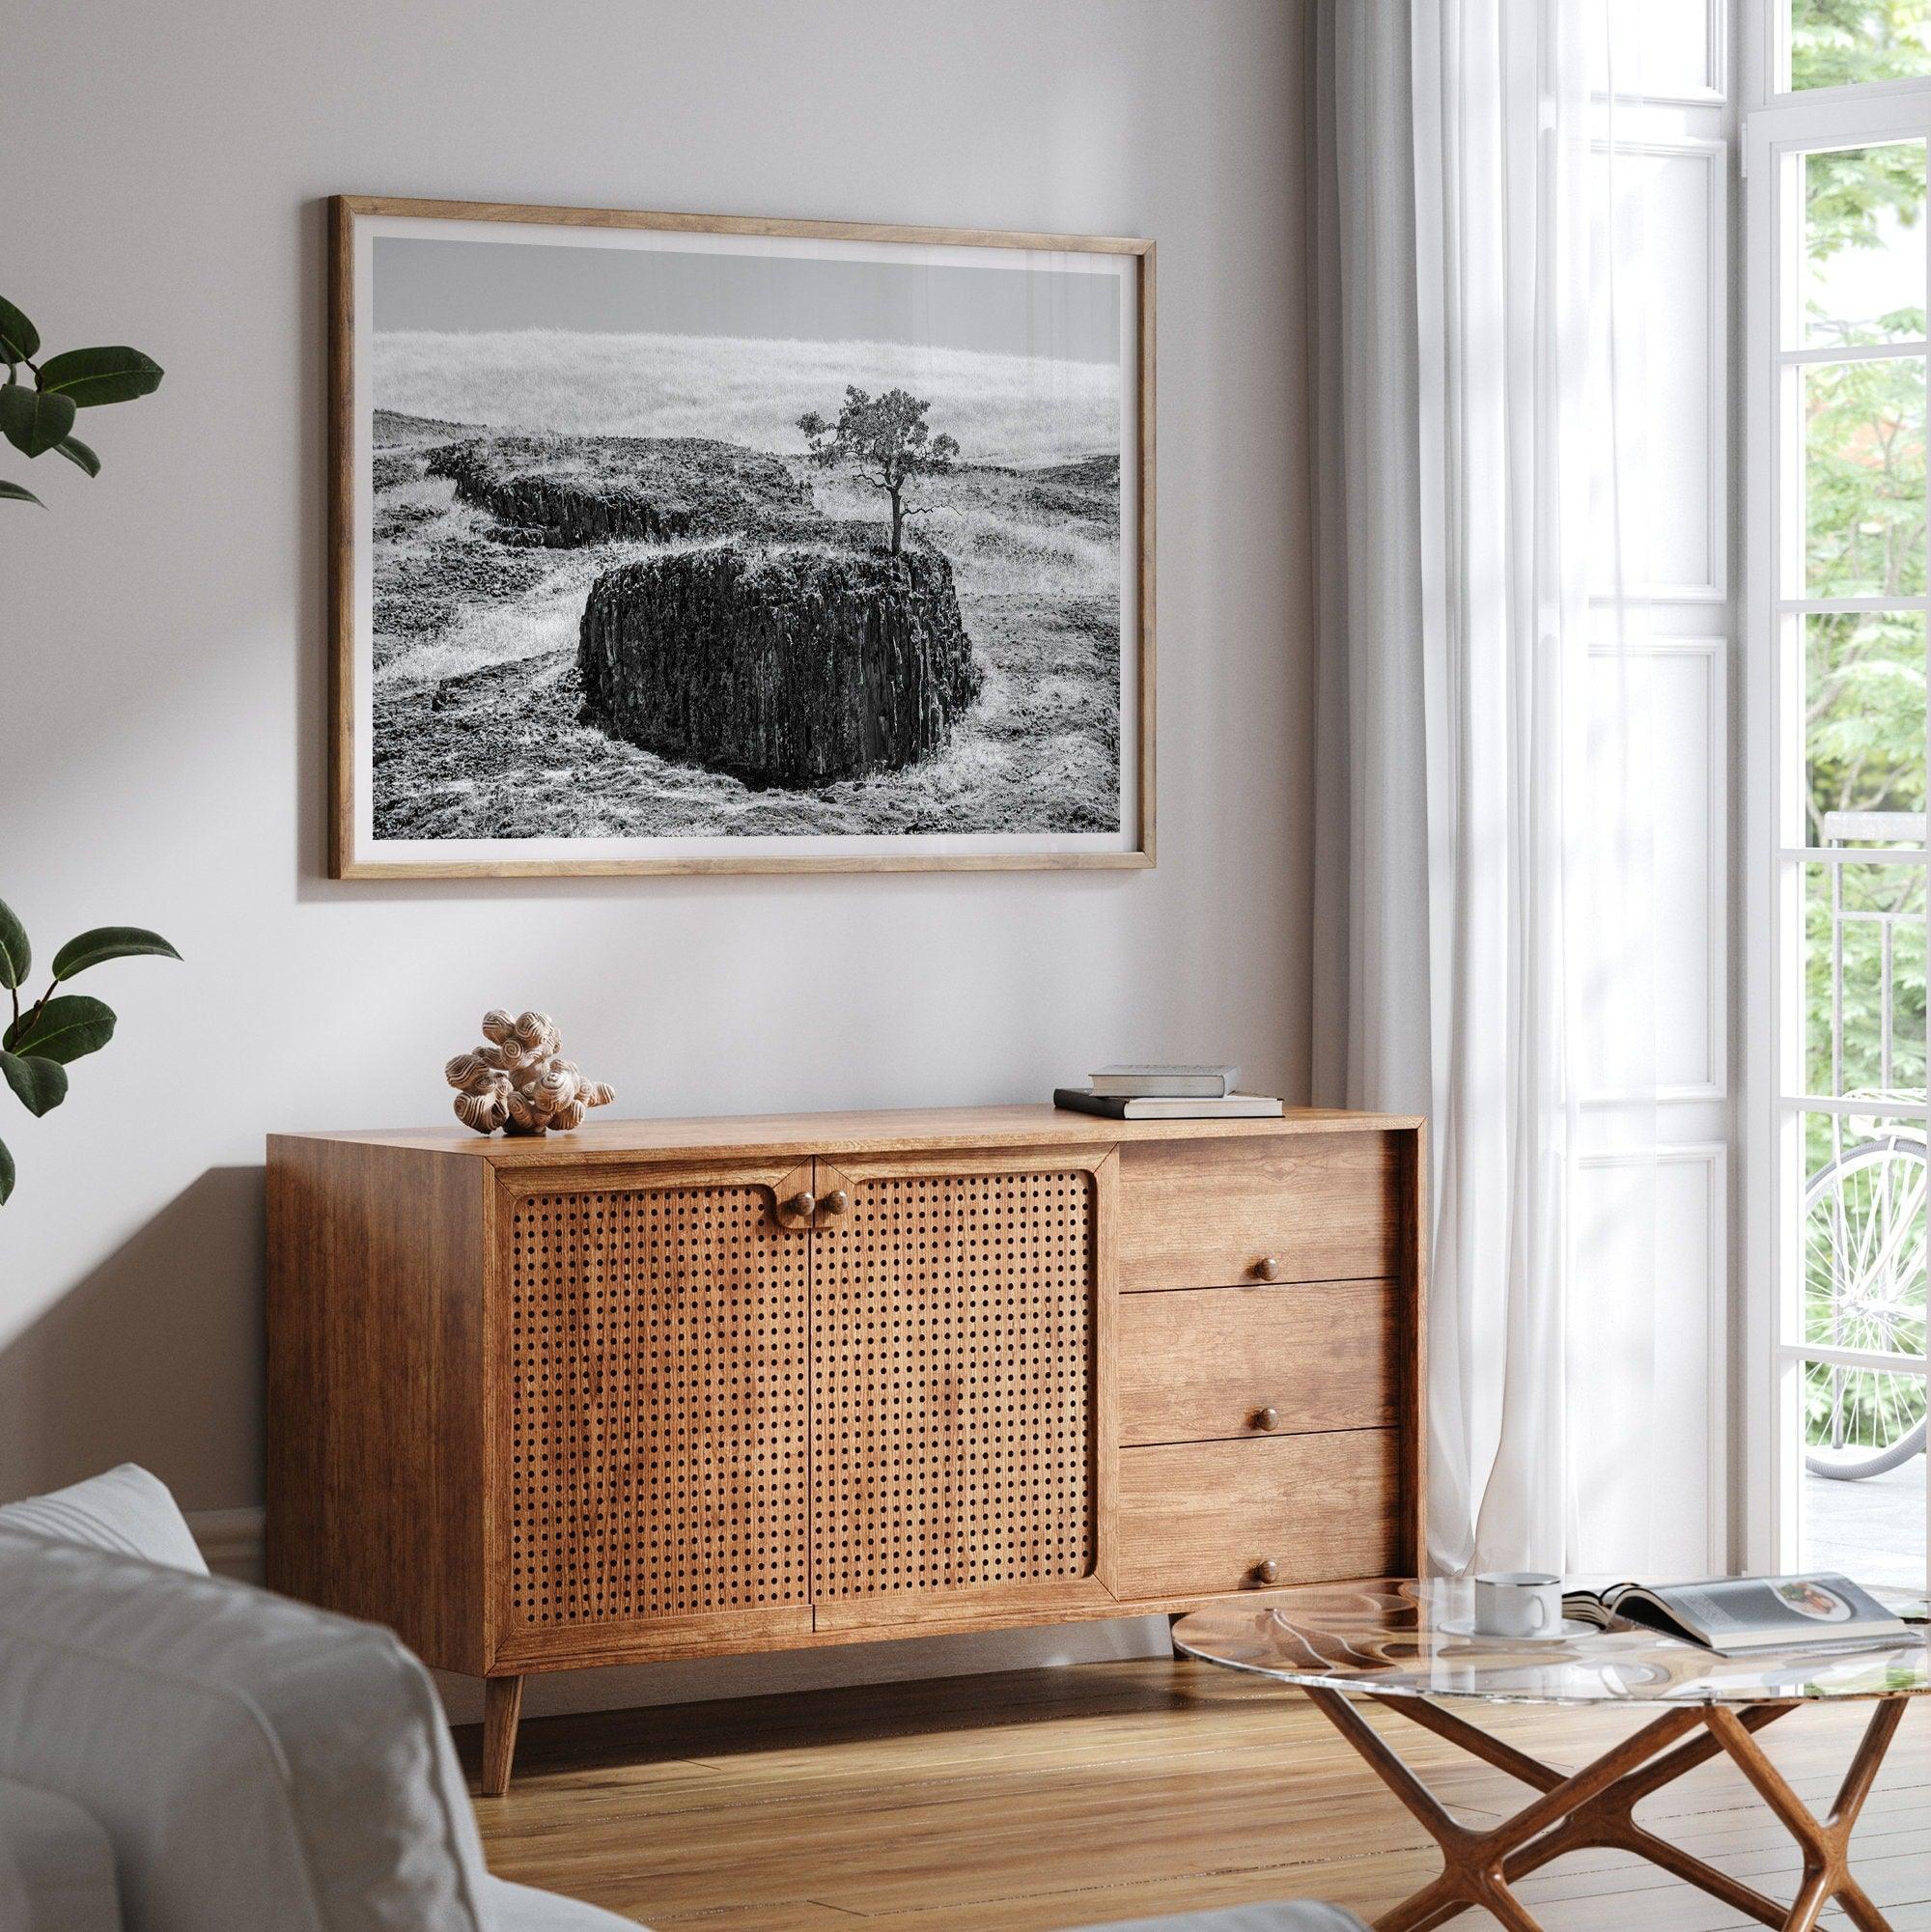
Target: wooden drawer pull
(803,1205)
(1267,1571)
(1267,1419)
(835,1202)
(1268,1268)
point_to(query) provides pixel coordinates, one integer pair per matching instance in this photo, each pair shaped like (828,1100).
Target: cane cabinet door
(655,1399)
(961,1430)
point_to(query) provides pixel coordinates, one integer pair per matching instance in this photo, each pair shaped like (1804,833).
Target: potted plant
(45,1036)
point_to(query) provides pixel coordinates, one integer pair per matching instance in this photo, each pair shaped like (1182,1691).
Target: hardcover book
(1167,1106)
(1176,1081)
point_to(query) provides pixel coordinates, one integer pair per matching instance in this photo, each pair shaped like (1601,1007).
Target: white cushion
(255,1762)
(519,1908)
(126,1509)
(56,1865)
(1298,1915)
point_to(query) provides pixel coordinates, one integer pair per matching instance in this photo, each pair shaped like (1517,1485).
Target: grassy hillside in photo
(1003,408)
(484,564)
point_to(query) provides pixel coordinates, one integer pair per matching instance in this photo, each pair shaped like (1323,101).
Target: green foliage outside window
(1864,673)
(1848,43)
(1865,536)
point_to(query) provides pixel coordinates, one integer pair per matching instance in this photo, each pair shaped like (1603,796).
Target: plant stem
(34,1011)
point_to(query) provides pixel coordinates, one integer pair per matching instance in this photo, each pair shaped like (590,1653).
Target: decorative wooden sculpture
(519,1079)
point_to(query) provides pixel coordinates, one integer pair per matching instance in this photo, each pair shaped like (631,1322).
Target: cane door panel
(657,1404)
(959,1382)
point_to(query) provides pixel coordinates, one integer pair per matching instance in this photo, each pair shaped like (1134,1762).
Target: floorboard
(1050,1799)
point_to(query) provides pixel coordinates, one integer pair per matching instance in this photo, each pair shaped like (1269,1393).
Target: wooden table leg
(1825,1843)
(1476,1741)
(1474,1864)
(1609,1822)
(502,1707)
(1595,1808)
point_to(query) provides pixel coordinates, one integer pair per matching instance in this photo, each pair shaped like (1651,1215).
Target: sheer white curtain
(1482,893)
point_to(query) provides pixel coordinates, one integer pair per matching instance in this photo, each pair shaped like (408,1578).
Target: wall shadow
(154,1358)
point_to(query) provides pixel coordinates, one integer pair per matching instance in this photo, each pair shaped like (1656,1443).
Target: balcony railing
(1864,1313)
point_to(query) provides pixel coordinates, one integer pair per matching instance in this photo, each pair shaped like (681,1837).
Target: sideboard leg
(502,1706)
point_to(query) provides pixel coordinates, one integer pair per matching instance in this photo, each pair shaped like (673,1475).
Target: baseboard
(232,1540)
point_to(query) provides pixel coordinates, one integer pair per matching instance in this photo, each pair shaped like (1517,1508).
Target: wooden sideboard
(673,1388)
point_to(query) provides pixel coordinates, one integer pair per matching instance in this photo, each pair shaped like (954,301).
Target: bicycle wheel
(1865,1288)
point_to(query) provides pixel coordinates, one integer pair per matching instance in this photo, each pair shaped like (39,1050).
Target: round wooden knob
(1267,1571)
(1268,1268)
(835,1202)
(803,1205)
(1267,1419)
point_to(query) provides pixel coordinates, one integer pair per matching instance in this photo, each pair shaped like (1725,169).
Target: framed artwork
(670,543)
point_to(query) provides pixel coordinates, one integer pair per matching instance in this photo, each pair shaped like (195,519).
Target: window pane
(1863,1254)
(1863,729)
(1863,478)
(1841,42)
(1862,1511)
(1652,47)
(1864,980)
(1864,246)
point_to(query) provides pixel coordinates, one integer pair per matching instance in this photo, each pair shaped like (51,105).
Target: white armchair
(183,1753)
(248,1761)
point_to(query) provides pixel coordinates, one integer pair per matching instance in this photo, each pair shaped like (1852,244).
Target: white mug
(1519,1602)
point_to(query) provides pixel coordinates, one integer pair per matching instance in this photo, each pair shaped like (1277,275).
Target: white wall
(162,688)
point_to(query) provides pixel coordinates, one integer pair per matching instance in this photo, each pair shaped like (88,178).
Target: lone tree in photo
(884,439)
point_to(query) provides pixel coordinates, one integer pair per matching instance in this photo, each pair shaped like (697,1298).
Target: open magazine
(1736,1616)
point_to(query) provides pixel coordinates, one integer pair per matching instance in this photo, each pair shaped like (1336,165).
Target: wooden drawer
(1205,1362)
(1307,1207)
(1200,1518)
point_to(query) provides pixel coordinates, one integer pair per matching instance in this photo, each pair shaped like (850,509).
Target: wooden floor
(1063,1798)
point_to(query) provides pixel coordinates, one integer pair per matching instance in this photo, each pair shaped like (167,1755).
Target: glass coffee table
(1408,1646)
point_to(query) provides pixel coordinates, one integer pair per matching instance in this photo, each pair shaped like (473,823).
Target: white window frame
(1780,125)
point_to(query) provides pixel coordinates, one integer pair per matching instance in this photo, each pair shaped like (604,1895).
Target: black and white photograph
(668,544)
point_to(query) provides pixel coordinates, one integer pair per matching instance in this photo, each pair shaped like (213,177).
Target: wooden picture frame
(492,523)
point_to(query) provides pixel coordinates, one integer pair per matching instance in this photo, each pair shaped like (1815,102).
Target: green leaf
(108,943)
(91,377)
(16,956)
(6,1174)
(32,420)
(77,452)
(19,341)
(63,1030)
(40,1084)
(12,492)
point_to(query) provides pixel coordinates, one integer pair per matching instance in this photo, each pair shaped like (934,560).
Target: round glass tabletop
(1398,1638)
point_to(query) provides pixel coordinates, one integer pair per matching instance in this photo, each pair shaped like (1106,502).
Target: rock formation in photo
(792,665)
(565,491)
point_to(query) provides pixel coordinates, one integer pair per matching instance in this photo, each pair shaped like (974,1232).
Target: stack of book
(1166,1093)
